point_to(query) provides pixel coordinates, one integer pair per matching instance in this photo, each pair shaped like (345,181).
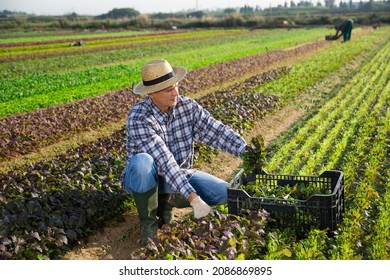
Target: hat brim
(179,71)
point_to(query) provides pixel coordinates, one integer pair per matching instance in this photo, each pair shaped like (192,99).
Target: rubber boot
(164,211)
(147,204)
(166,202)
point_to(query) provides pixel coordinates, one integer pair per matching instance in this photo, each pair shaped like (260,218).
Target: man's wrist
(192,196)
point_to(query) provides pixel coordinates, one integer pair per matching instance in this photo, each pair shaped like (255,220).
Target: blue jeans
(141,176)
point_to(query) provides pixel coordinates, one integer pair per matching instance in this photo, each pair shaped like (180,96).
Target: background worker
(161,131)
(345,29)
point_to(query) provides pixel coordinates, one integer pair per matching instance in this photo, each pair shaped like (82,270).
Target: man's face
(166,98)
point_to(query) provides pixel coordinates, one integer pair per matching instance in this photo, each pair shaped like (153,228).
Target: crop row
(368,173)
(380,241)
(55,38)
(355,140)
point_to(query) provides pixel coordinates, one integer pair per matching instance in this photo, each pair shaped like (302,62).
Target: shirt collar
(161,116)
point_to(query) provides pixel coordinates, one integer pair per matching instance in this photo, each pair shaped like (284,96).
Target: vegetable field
(62,148)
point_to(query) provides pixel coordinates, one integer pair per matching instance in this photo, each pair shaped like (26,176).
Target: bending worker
(345,29)
(161,131)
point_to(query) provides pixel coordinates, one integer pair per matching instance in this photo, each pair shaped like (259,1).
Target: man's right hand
(201,209)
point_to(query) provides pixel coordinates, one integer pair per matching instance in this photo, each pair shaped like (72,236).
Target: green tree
(120,13)
(197,14)
(229,11)
(246,10)
(343,5)
(72,16)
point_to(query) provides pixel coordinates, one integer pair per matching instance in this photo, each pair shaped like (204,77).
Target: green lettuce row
(51,62)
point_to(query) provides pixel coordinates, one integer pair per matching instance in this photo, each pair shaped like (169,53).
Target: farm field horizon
(319,105)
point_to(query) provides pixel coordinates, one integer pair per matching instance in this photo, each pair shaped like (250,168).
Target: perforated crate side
(320,210)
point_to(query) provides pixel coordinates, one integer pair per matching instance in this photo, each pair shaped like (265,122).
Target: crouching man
(160,133)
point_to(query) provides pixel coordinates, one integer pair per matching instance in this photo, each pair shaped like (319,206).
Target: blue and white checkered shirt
(169,138)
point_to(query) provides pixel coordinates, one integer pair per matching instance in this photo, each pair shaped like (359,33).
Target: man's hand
(201,209)
(251,149)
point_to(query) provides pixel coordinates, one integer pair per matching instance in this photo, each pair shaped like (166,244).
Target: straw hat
(158,75)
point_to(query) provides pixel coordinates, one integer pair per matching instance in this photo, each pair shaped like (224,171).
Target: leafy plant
(289,191)
(254,158)
(217,237)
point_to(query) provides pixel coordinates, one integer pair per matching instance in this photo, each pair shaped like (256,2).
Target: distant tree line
(310,6)
(5,13)
(295,14)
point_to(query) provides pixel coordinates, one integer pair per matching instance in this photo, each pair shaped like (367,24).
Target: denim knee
(212,189)
(220,197)
(141,174)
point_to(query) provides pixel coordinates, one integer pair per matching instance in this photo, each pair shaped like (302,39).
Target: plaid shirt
(169,138)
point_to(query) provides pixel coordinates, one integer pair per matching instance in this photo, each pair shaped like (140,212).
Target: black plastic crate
(330,37)
(323,211)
